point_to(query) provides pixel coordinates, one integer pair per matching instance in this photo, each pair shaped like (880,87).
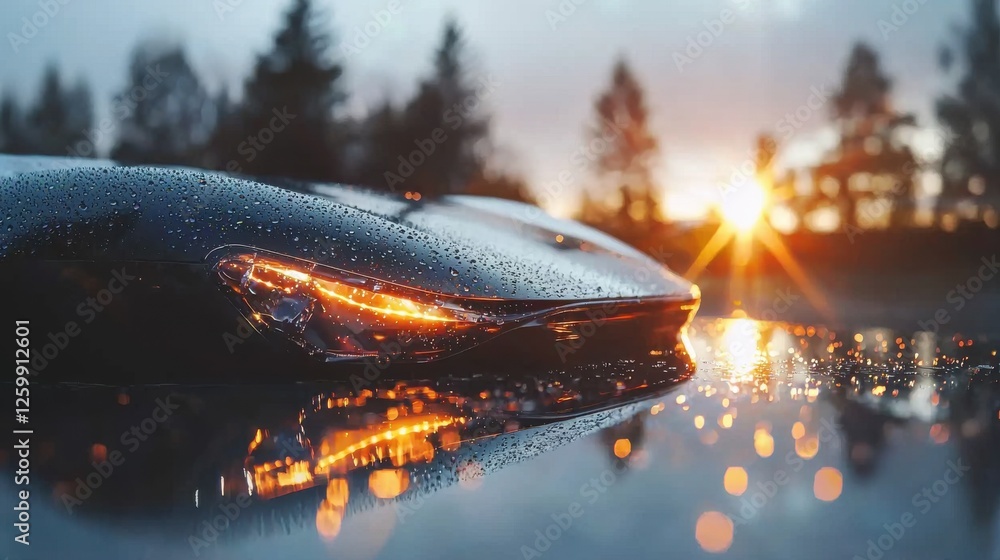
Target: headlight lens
(339,316)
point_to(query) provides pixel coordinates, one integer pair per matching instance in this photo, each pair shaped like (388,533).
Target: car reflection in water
(788,439)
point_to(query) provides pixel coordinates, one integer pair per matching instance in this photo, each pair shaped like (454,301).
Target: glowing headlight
(338,316)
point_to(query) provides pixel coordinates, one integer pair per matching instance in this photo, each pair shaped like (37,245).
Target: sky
(716,72)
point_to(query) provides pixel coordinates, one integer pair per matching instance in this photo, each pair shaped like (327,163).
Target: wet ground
(769,440)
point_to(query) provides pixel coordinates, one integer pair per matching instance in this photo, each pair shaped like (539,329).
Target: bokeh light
(714,532)
(828,484)
(735,481)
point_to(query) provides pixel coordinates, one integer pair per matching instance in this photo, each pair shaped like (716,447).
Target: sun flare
(743,207)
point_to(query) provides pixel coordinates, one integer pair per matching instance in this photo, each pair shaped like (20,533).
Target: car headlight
(337,315)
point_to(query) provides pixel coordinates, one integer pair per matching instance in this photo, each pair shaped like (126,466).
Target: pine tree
(870,144)
(499,184)
(445,114)
(60,118)
(80,106)
(865,89)
(383,140)
(12,133)
(168,115)
(287,120)
(461,159)
(226,118)
(971,116)
(624,145)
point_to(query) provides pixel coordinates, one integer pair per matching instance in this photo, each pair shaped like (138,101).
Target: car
(173,275)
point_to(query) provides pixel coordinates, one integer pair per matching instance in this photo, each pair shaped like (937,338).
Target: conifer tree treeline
(289,122)
(58,119)
(970,167)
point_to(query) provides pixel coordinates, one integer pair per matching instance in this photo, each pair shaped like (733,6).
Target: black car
(153,275)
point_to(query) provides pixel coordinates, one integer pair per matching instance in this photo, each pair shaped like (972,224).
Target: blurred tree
(166,116)
(384,140)
(287,124)
(445,128)
(12,133)
(623,146)
(499,184)
(864,90)
(59,119)
(970,165)
(872,168)
(591,211)
(226,116)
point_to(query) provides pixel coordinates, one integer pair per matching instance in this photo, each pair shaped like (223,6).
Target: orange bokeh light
(828,484)
(735,480)
(622,448)
(714,532)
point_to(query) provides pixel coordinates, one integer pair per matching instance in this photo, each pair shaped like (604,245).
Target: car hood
(460,246)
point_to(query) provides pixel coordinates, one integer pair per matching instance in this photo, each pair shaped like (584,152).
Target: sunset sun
(743,207)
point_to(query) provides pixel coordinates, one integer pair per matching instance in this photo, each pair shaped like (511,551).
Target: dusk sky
(763,64)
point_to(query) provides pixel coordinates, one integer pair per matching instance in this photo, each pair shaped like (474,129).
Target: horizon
(701,60)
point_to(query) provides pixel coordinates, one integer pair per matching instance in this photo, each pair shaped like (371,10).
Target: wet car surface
(766,440)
